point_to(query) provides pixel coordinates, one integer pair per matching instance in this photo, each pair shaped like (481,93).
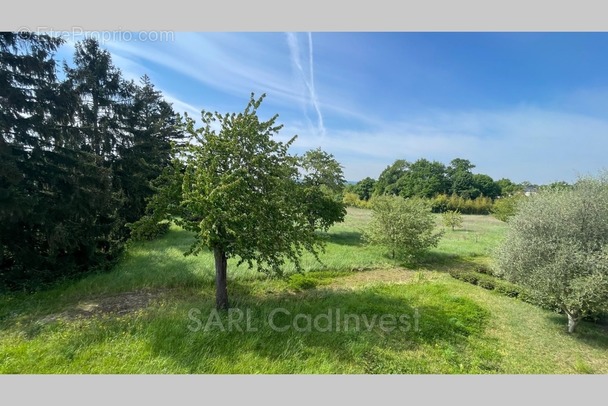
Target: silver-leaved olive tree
(557,247)
(236,188)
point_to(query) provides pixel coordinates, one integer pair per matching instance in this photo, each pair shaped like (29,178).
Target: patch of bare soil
(119,304)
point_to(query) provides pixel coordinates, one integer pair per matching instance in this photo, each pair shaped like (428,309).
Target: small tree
(505,207)
(557,246)
(237,190)
(322,183)
(364,188)
(404,226)
(452,218)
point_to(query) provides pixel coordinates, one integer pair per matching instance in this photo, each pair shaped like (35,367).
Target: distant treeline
(451,187)
(77,158)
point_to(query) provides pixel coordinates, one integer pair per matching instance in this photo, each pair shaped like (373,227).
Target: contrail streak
(294,49)
(313,94)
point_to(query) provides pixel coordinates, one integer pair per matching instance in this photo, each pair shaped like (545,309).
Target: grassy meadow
(145,315)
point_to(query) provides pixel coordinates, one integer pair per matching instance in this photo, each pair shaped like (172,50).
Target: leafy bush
(404,226)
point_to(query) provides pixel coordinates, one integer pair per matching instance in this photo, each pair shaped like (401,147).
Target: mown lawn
(148,316)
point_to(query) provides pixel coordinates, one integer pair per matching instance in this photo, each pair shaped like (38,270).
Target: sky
(524,106)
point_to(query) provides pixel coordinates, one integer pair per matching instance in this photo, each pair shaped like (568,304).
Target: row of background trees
(428,179)
(448,187)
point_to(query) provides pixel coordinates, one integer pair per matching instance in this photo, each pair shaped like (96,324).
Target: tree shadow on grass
(351,238)
(439,261)
(335,329)
(594,334)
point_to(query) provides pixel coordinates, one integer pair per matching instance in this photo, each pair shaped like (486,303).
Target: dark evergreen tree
(76,158)
(49,192)
(152,127)
(27,76)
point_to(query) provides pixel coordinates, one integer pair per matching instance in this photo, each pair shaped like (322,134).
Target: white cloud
(524,143)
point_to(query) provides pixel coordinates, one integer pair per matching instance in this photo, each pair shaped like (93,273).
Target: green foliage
(423,179)
(557,247)
(54,196)
(452,219)
(152,127)
(506,207)
(486,282)
(322,183)
(352,200)
(560,185)
(479,205)
(364,188)
(486,186)
(508,188)
(490,282)
(387,183)
(466,276)
(240,186)
(433,180)
(461,178)
(147,228)
(404,226)
(462,328)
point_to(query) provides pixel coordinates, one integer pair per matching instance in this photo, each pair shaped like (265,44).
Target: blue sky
(527,106)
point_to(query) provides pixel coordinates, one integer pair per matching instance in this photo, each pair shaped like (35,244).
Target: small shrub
(406,227)
(469,277)
(475,278)
(506,288)
(484,270)
(486,283)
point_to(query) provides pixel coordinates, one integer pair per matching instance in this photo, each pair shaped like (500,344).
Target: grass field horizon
(139,317)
